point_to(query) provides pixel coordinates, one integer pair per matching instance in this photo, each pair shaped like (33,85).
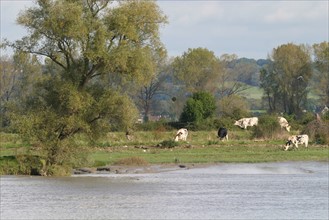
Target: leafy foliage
(321,53)
(198,68)
(198,108)
(268,127)
(318,131)
(168,144)
(285,81)
(234,107)
(86,42)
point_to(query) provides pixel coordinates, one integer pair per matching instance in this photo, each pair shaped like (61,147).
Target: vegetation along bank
(93,91)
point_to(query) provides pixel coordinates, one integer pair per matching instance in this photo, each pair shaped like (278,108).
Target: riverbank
(151,168)
(245,151)
(202,148)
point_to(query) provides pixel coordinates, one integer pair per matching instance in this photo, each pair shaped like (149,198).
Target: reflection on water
(294,190)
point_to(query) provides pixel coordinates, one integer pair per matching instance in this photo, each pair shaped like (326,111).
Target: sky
(250,29)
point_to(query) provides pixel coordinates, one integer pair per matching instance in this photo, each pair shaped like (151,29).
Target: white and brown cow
(284,123)
(181,134)
(297,139)
(245,122)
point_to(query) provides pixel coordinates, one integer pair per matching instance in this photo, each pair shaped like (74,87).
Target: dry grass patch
(131,161)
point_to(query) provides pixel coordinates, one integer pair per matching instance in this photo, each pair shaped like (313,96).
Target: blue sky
(246,28)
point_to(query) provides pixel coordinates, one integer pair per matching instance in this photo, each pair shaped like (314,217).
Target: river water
(290,190)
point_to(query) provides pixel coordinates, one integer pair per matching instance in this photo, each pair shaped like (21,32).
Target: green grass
(247,152)
(201,147)
(12,144)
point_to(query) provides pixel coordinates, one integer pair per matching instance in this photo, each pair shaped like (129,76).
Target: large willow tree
(82,42)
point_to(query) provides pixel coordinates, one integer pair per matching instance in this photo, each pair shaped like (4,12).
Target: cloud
(295,12)
(9,12)
(247,28)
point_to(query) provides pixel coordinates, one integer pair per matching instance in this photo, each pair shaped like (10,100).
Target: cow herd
(244,123)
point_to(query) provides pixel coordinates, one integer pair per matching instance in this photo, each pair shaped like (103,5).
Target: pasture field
(201,147)
(253,92)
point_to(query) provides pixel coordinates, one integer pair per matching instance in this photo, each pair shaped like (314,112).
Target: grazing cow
(284,123)
(181,134)
(245,122)
(222,133)
(297,139)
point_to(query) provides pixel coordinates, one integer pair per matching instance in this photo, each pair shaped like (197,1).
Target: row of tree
(91,66)
(287,78)
(173,81)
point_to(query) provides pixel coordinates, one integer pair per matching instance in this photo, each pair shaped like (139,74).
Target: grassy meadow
(157,147)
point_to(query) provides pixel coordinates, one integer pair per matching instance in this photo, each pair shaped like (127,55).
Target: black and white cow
(181,134)
(245,122)
(222,133)
(297,139)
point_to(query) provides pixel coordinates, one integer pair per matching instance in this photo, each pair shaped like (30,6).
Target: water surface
(291,190)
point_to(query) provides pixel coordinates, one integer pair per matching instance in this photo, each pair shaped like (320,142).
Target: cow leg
(227,137)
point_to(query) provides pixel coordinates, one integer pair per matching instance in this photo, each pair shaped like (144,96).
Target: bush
(9,165)
(233,107)
(199,107)
(31,164)
(168,144)
(153,125)
(325,116)
(268,127)
(317,131)
(307,118)
(22,165)
(59,170)
(225,122)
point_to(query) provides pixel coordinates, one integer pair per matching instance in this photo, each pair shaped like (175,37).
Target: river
(286,190)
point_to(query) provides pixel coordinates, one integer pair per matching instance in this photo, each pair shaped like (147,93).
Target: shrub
(325,116)
(31,165)
(317,131)
(22,165)
(199,107)
(234,107)
(59,170)
(307,118)
(153,125)
(168,144)
(268,127)
(225,122)
(9,165)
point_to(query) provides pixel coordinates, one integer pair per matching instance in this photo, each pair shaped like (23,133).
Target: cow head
(178,135)
(238,123)
(287,145)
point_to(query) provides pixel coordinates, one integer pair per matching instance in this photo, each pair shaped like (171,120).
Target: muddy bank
(118,169)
